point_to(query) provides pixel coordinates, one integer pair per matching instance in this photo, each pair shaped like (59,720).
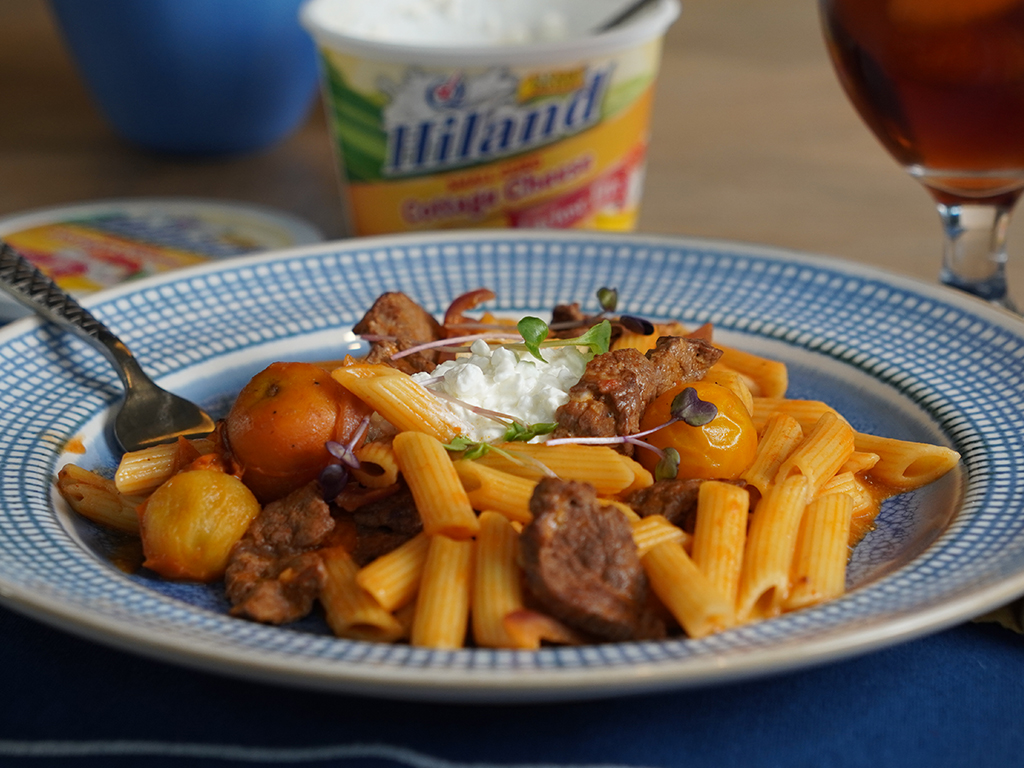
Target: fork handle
(28,285)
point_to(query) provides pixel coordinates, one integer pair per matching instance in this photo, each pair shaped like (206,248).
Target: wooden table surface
(752,140)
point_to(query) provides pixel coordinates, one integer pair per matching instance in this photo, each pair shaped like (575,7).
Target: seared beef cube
(273,574)
(580,562)
(678,359)
(609,398)
(674,499)
(385,524)
(396,315)
(616,387)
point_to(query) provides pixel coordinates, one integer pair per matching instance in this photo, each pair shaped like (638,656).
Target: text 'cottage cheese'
(487,113)
(500,380)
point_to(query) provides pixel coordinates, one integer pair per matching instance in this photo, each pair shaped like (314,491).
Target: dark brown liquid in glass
(941,83)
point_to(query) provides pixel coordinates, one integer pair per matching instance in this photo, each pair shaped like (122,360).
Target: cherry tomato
(722,449)
(281,421)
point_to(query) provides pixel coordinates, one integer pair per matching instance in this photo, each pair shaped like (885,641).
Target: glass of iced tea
(941,84)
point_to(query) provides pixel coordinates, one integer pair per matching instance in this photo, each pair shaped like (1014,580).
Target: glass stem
(974,256)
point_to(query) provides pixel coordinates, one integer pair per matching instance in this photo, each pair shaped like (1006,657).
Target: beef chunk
(678,359)
(273,574)
(396,315)
(580,562)
(385,524)
(616,387)
(673,499)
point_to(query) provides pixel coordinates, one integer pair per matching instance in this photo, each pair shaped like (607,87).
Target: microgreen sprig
(598,338)
(334,476)
(474,450)
(608,298)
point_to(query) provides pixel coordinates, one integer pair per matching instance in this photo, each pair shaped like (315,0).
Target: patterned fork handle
(25,283)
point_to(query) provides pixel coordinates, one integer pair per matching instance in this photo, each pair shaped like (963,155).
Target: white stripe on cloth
(233,752)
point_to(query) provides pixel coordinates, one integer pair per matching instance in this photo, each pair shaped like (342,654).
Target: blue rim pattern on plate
(956,360)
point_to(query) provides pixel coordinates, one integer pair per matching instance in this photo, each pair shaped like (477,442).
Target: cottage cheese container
(484,113)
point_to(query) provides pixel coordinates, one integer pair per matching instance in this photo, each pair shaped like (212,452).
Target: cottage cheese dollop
(508,382)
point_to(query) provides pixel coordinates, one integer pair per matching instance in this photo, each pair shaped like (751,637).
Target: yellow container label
(430,148)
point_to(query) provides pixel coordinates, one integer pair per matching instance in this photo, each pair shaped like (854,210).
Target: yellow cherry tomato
(720,450)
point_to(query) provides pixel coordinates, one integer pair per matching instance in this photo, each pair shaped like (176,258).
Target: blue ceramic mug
(194,76)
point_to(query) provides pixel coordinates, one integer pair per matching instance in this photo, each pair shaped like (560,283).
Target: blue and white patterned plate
(895,356)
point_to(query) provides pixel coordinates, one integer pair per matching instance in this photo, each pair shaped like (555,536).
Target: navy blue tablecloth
(955,698)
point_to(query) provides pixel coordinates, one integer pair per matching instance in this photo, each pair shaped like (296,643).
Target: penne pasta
(393,579)
(497,589)
(407,405)
(349,609)
(820,455)
(650,531)
(904,465)
(806,412)
(97,498)
(440,498)
(781,435)
(734,382)
(685,591)
(442,607)
(770,377)
(818,572)
(720,535)
(771,540)
(608,471)
(488,488)
(378,467)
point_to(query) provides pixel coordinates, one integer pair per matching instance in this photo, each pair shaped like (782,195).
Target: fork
(149,415)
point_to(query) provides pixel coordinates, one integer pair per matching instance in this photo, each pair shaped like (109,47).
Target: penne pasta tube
(825,449)
(142,472)
(97,498)
(608,471)
(904,465)
(349,609)
(781,435)
(646,342)
(442,606)
(528,628)
(818,572)
(734,382)
(650,531)
(771,540)
(770,377)
(685,591)
(400,400)
(859,462)
(378,467)
(498,491)
(436,488)
(806,412)
(720,535)
(393,579)
(497,589)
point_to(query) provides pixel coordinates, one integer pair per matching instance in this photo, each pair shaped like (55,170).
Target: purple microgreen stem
(453,340)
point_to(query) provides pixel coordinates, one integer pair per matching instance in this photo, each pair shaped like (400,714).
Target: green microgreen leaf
(668,465)
(534,331)
(598,338)
(608,298)
(525,432)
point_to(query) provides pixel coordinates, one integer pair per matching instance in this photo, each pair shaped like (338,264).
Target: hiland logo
(435,123)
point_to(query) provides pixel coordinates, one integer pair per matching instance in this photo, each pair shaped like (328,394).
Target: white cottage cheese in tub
(500,380)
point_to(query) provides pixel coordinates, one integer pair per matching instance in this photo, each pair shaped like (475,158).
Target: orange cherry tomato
(722,449)
(281,421)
